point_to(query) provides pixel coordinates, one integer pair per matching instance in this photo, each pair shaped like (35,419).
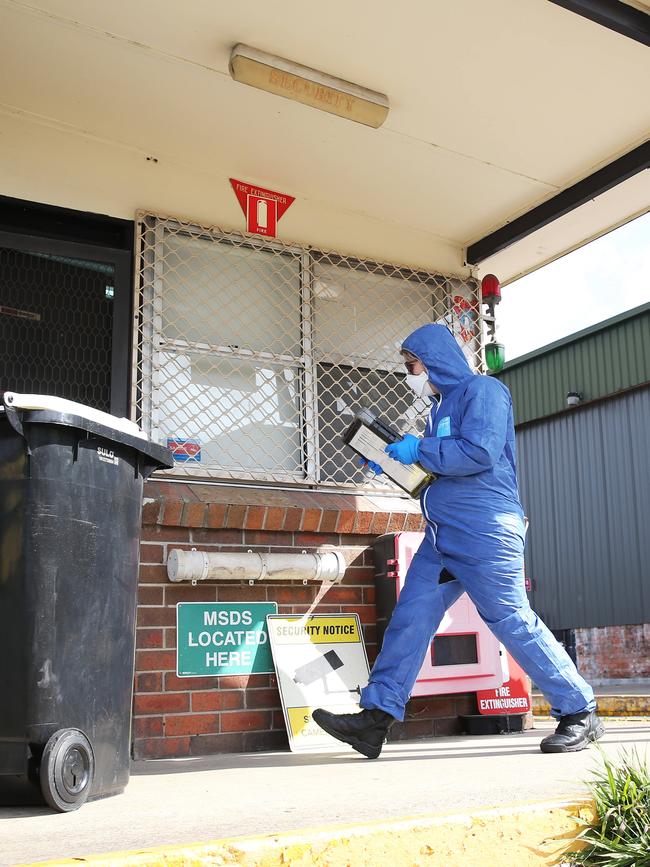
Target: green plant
(621,838)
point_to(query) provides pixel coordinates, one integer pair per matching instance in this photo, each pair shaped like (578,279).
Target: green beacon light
(495,356)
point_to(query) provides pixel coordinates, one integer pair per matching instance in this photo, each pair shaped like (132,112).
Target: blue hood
(437,349)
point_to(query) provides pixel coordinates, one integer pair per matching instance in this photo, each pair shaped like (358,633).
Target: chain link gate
(251,355)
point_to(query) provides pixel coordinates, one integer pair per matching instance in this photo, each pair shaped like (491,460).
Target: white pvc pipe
(254,566)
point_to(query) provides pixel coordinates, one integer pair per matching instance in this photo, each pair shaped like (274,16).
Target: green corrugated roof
(599,361)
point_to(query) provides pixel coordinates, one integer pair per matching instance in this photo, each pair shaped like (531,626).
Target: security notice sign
(320,661)
(223,638)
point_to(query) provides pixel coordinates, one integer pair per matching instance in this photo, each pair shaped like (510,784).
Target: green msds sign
(223,638)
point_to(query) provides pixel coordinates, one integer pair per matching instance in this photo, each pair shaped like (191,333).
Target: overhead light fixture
(309,86)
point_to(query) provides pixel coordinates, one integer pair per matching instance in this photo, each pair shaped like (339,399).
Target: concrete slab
(176,802)
(537,835)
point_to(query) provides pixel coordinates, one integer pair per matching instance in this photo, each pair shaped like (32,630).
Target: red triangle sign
(244,190)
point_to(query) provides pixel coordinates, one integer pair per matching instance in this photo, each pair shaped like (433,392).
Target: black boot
(364,731)
(574,732)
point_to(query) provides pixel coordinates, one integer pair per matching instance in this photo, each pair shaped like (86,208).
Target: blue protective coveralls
(475,529)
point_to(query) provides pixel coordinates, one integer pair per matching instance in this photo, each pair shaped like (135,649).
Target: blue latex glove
(405,451)
(371,465)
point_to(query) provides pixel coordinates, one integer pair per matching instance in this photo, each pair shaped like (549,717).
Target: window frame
(149,341)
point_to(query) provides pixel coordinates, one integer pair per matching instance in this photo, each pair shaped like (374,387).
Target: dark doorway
(64,320)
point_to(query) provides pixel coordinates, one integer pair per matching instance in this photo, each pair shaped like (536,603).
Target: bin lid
(46,409)
(69,407)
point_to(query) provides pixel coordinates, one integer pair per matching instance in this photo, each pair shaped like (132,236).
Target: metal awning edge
(614,173)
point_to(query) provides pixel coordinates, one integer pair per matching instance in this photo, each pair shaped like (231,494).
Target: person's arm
(483,432)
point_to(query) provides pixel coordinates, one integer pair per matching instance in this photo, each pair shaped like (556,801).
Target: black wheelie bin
(70,510)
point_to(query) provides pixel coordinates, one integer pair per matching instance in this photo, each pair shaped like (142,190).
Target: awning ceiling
(496,107)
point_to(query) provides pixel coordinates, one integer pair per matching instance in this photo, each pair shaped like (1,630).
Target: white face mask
(419,384)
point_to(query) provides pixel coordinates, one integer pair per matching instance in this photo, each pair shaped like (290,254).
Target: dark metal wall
(585,483)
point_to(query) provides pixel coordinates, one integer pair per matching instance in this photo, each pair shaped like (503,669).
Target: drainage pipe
(254,566)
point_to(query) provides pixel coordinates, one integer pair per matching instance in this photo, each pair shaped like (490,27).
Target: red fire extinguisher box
(464,655)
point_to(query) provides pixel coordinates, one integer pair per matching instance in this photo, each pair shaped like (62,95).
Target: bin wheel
(67,768)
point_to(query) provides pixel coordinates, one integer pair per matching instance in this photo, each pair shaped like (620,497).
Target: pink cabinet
(464,656)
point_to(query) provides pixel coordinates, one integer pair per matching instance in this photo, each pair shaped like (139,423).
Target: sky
(598,281)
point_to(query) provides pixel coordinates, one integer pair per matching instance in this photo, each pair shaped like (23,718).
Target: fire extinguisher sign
(511,698)
(262,208)
(261,216)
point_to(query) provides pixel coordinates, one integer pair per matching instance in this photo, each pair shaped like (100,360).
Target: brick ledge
(217,507)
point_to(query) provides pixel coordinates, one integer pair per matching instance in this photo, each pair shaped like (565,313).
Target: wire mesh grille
(251,356)
(56,326)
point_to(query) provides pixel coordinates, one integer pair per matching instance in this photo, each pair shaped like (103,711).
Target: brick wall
(613,652)
(197,716)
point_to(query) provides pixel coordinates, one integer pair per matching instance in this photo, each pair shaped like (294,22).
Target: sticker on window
(184,450)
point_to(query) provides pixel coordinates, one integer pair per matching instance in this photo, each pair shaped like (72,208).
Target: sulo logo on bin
(107,456)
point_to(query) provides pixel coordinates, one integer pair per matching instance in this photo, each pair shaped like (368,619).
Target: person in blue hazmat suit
(474,542)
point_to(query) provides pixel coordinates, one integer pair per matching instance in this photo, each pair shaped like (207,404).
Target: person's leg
(505,608)
(502,602)
(420,608)
(416,616)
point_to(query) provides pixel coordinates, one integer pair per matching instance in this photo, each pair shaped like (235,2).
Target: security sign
(320,661)
(262,208)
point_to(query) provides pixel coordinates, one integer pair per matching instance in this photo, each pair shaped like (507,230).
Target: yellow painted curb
(608,705)
(528,835)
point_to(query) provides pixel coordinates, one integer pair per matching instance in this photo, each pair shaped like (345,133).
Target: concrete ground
(172,802)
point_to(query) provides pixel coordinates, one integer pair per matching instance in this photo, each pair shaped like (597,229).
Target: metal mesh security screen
(56,326)
(251,356)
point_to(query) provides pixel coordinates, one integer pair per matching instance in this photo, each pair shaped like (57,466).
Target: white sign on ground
(320,661)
